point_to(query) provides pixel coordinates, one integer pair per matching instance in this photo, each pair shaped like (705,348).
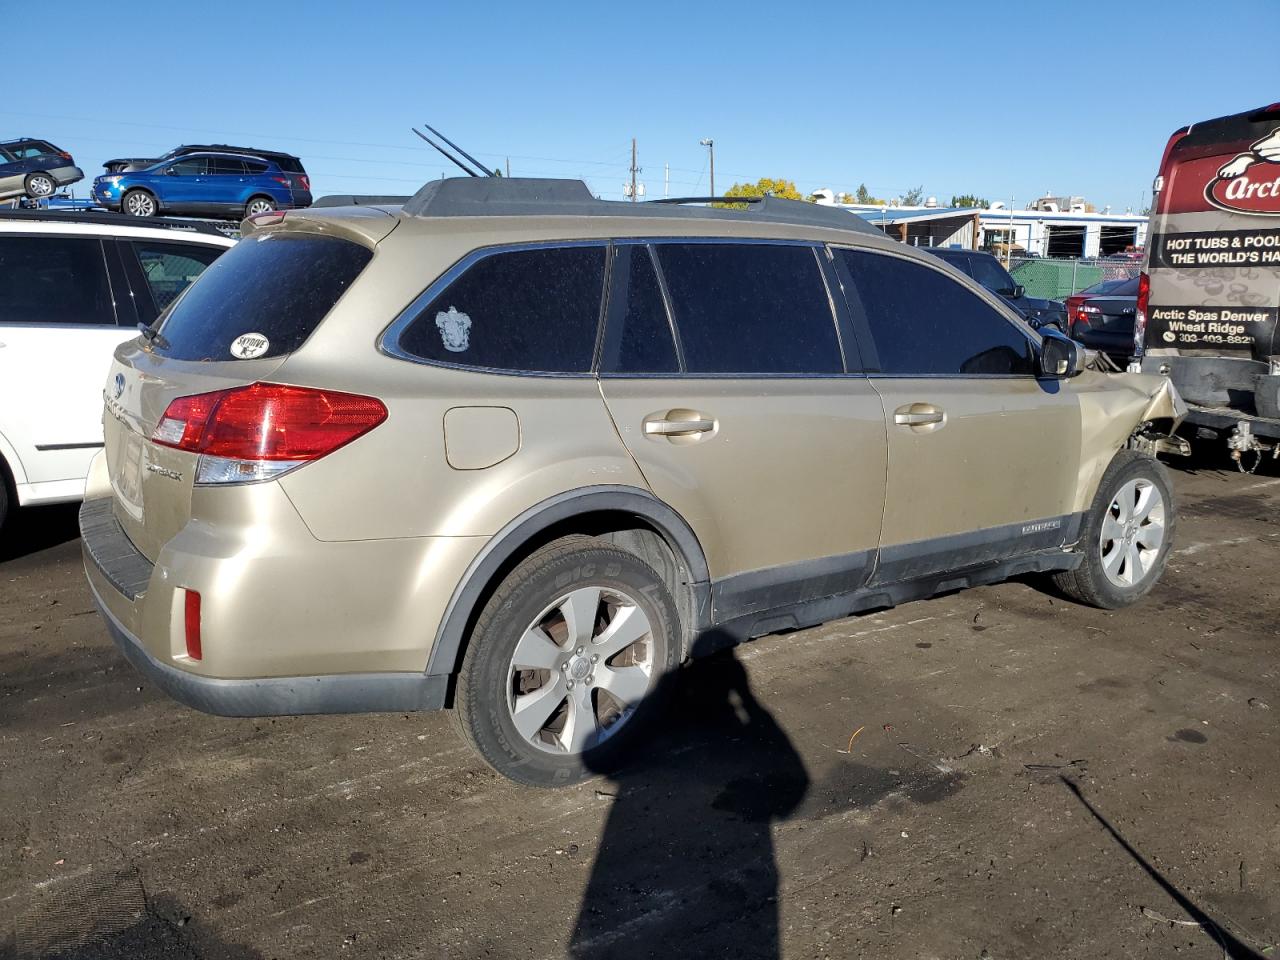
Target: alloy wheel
(1133,531)
(140,205)
(40,186)
(260,206)
(579,670)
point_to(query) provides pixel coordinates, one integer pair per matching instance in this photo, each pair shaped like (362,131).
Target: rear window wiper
(152,335)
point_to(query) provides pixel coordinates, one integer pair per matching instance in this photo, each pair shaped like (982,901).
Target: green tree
(863,195)
(969,200)
(913,196)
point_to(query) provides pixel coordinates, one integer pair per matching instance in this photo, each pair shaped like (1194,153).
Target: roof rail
(545,197)
(105,218)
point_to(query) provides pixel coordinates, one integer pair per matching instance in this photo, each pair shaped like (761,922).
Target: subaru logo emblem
(119,385)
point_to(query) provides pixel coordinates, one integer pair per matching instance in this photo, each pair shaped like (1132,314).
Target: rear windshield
(262,298)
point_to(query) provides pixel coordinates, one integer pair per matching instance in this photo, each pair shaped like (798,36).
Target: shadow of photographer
(685,864)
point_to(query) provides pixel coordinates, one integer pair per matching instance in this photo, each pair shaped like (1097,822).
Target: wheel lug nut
(595,658)
(590,677)
(579,651)
(569,685)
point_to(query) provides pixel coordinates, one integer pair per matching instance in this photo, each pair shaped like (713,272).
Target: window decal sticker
(455,330)
(249,345)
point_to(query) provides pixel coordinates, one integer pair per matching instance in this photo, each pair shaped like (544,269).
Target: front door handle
(919,415)
(678,424)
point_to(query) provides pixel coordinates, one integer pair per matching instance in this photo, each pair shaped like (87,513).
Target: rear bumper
(280,696)
(66,175)
(302,627)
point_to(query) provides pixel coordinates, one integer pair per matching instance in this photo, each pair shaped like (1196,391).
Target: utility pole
(634,170)
(508,168)
(666,179)
(711,150)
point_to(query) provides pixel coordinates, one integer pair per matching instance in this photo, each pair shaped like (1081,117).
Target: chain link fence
(1058,279)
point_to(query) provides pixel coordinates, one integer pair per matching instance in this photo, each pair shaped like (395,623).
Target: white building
(1041,232)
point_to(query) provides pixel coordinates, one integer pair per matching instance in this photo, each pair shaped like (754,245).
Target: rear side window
(535,310)
(54,280)
(638,335)
(169,268)
(255,166)
(750,308)
(278,286)
(923,323)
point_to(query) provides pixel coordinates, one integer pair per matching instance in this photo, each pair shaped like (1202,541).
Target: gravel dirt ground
(993,774)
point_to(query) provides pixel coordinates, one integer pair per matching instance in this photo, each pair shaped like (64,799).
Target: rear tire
(1127,534)
(139,203)
(40,185)
(573,626)
(258,205)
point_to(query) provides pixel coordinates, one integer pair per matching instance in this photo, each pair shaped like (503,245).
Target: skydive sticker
(249,345)
(1250,183)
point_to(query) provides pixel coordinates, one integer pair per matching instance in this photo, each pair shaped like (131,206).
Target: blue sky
(997,99)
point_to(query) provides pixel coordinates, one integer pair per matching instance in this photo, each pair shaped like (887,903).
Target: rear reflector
(191,619)
(259,431)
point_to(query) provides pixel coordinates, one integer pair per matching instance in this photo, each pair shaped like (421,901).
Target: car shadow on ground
(32,529)
(685,865)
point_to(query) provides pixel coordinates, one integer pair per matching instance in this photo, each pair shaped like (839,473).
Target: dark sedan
(1102,316)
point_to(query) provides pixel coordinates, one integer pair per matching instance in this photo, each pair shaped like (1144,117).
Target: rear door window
(750,308)
(923,323)
(169,268)
(226,166)
(276,286)
(48,279)
(535,310)
(638,336)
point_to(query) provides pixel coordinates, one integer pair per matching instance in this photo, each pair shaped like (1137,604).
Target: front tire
(564,668)
(1127,534)
(40,185)
(139,203)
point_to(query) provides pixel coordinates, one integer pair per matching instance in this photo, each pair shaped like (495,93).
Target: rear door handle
(918,415)
(677,423)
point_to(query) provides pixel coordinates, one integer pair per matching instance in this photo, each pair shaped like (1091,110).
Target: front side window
(750,308)
(190,167)
(992,276)
(169,268)
(923,323)
(638,334)
(534,310)
(54,280)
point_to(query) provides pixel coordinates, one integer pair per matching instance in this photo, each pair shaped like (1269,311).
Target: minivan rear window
(276,287)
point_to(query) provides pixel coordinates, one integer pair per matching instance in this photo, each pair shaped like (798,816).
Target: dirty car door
(745,421)
(983,456)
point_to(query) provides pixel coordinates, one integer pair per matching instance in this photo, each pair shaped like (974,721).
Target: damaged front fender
(1116,409)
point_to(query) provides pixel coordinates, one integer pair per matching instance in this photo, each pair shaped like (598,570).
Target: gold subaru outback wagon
(515,451)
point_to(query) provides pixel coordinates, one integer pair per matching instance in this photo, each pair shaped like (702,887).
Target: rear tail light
(191,624)
(305,181)
(263,430)
(64,155)
(284,181)
(1086,314)
(1140,318)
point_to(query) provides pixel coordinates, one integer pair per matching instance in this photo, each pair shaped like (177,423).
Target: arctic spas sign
(1251,182)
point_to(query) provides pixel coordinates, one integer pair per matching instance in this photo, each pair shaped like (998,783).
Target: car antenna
(448,156)
(473,160)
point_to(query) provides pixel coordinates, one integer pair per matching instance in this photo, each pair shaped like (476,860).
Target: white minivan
(72,287)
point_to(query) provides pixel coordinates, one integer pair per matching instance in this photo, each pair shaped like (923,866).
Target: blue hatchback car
(224,185)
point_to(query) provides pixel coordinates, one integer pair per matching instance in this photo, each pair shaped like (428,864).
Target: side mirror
(1019,291)
(1060,357)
